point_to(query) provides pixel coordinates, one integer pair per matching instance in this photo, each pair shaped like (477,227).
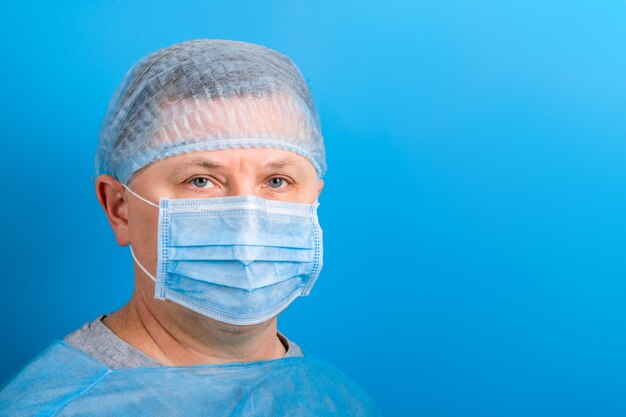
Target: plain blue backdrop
(475,204)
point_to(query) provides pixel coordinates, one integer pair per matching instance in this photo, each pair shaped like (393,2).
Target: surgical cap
(205,95)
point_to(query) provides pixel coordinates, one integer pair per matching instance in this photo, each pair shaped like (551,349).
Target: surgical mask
(239,260)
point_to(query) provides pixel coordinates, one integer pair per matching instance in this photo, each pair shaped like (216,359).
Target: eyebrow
(206,163)
(282,163)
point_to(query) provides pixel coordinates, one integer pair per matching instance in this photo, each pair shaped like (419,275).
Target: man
(209,167)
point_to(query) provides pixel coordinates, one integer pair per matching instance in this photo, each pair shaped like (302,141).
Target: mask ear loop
(140,197)
(140,265)
(131,246)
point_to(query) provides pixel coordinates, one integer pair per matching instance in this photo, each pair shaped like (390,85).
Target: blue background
(474,209)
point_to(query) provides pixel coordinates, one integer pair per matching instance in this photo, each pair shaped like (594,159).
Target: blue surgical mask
(239,260)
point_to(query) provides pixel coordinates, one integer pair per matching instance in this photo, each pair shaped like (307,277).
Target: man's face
(270,173)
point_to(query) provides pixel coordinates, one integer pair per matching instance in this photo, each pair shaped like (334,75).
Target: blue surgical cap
(205,95)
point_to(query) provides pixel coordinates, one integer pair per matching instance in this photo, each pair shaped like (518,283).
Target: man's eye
(202,182)
(277,182)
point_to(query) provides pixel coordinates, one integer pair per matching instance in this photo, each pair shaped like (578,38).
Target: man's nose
(241,186)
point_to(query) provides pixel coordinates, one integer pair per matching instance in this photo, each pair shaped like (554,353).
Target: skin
(171,334)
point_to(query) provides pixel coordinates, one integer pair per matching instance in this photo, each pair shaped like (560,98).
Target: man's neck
(192,340)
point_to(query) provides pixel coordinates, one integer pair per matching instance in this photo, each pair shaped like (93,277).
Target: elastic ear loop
(140,197)
(131,246)
(140,265)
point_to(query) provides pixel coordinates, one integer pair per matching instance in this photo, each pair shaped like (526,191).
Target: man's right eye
(202,182)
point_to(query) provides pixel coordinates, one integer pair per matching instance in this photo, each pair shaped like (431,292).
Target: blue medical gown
(64,381)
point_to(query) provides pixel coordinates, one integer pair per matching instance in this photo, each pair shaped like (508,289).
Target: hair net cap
(204,95)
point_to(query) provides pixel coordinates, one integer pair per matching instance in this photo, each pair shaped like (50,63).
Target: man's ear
(110,193)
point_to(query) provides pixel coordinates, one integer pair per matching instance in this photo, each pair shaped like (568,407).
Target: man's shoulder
(330,383)
(65,379)
(49,381)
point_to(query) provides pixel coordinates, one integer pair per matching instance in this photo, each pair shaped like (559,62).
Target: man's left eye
(277,182)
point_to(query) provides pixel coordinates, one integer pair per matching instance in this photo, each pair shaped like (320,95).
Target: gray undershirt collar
(97,340)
